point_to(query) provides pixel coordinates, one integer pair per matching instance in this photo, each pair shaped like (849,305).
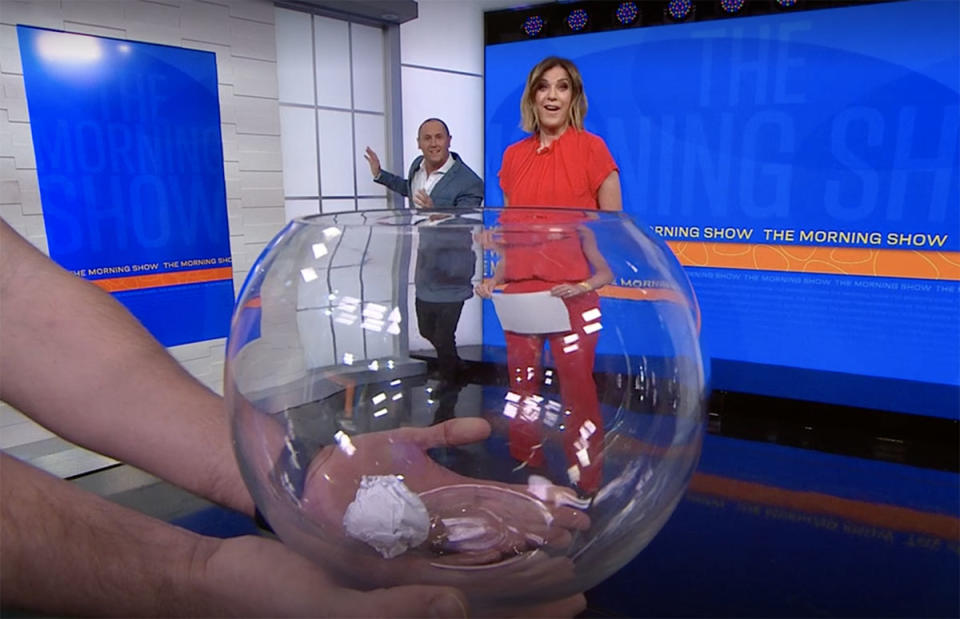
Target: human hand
(258,577)
(231,582)
(373,160)
(565,291)
(422,199)
(542,521)
(334,475)
(485,288)
(488,238)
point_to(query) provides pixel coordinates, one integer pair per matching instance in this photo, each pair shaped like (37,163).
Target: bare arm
(486,287)
(78,363)
(69,552)
(608,196)
(602,275)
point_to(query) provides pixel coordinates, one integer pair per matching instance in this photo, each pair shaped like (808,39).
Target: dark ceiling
(373,12)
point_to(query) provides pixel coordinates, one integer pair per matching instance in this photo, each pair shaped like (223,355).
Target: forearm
(597,280)
(78,363)
(499,272)
(602,274)
(68,552)
(393,182)
(608,196)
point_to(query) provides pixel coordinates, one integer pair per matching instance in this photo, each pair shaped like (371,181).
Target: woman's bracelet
(586,286)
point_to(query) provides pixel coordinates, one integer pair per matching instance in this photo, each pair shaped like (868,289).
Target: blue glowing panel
(130,164)
(805,171)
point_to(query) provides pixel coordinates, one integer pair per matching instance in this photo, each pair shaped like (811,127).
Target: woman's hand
(566,291)
(485,288)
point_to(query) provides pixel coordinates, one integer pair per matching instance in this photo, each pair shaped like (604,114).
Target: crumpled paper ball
(387,515)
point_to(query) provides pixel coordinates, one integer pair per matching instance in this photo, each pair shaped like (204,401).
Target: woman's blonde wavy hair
(528,106)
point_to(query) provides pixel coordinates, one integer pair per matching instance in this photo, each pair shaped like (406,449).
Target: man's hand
(331,484)
(258,577)
(293,586)
(423,199)
(374,162)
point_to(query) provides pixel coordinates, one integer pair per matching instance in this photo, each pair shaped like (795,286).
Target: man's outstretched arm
(75,361)
(66,552)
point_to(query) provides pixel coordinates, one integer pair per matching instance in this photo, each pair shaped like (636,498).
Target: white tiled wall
(331,77)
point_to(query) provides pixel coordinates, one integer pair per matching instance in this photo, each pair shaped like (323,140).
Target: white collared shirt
(421,180)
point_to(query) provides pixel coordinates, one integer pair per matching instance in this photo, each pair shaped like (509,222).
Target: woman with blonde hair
(562,166)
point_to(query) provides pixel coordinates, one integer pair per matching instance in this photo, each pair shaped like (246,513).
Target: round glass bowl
(531,469)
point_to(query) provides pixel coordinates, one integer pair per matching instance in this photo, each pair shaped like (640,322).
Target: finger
(558,539)
(570,518)
(408,601)
(451,433)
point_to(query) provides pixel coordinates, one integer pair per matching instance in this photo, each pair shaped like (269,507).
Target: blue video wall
(130,166)
(803,167)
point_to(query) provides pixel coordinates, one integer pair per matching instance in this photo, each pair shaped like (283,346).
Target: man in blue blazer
(438,177)
(445,259)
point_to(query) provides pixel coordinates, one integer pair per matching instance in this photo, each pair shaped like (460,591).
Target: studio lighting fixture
(577,20)
(680,10)
(787,4)
(731,7)
(533,25)
(627,13)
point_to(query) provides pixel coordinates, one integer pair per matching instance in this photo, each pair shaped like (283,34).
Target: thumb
(414,601)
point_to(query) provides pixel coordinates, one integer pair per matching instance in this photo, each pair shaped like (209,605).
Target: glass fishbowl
(534,460)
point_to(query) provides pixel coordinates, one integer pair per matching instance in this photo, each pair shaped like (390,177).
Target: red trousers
(580,422)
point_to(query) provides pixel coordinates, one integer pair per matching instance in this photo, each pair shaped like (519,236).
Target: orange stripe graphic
(642,294)
(905,263)
(160,280)
(886,516)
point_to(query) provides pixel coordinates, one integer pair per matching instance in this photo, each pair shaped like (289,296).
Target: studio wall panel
(294,68)
(332,62)
(299,129)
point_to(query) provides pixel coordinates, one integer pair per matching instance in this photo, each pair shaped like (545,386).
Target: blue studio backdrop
(803,166)
(130,166)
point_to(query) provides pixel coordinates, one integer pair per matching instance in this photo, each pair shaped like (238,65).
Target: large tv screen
(130,167)
(803,167)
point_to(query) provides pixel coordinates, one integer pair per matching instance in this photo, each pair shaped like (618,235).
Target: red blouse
(567,173)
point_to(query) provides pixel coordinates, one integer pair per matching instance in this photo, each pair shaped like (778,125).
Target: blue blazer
(460,186)
(445,259)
